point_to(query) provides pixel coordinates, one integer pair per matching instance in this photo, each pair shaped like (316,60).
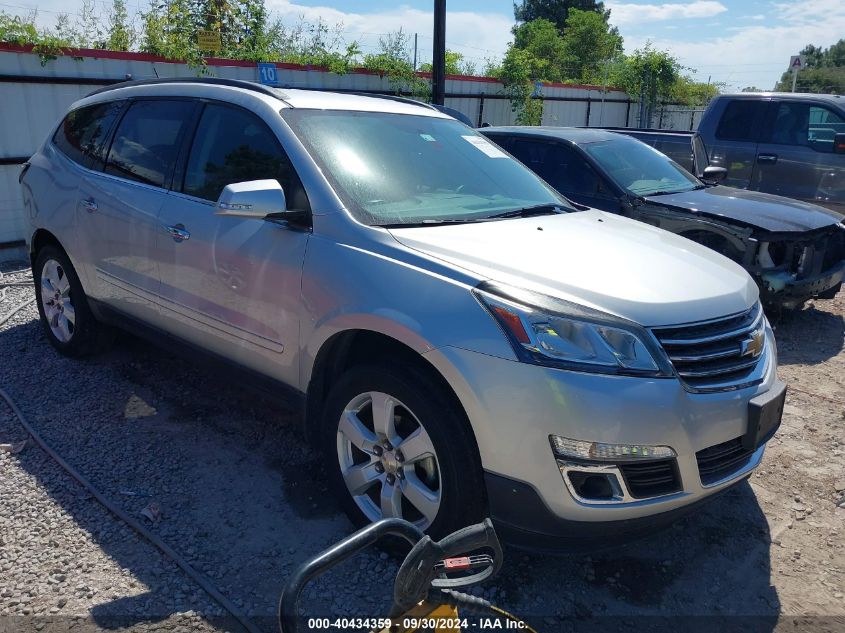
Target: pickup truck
(788,144)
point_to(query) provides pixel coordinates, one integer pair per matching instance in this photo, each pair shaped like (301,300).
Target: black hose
(210,589)
(474,604)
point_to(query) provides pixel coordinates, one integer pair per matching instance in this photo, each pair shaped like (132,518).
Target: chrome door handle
(767,158)
(89,204)
(178,232)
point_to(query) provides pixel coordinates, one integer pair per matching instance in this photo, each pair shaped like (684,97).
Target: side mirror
(839,143)
(252,199)
(714,175)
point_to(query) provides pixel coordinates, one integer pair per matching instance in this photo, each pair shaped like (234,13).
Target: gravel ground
(241,498)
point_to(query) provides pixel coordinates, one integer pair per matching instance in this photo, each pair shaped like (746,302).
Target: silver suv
(462,341)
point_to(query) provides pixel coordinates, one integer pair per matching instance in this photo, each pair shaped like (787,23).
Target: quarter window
(740,120)
(231,146)
(81,135)
(147,140)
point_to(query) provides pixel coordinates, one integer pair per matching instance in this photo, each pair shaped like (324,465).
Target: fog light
(594,486)
(566,448)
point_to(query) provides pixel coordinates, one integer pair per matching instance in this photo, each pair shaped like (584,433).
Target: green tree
(516,74)
(456,64)
(555,11)
(543,50)
(589,45)
(650,75)
(170,31)
(825,71)
(120,34)
(694,93)
(23,30)
(393,60)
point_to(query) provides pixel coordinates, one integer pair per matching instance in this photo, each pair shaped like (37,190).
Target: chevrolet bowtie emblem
(753,346)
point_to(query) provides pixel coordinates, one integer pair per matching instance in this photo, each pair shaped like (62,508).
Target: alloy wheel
(56,301)
(387,460)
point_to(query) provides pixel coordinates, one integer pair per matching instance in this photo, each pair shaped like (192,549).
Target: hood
(762,210)
(596,259)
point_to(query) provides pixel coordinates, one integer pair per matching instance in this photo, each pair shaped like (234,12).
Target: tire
(63,307)
(440,486)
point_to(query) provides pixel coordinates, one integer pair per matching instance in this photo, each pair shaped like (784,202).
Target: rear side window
(679,151)
(232,145)
(560,166)
(82,134)
(146,142)
(813,126)
(740,120)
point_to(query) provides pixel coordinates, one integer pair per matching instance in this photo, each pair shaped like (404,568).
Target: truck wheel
(395,446)
(65,316)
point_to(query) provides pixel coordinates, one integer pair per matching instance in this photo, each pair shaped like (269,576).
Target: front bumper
(799,290)
(514,407)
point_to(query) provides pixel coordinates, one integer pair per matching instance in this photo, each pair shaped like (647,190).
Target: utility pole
(438,63)
(415,52)
(604,91)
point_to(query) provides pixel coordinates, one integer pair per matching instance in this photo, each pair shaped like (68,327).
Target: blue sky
(739,42)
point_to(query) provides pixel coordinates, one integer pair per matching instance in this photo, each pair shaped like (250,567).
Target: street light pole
(438,64)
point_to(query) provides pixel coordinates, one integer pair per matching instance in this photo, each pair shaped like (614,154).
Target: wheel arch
(351,347)
(40,239)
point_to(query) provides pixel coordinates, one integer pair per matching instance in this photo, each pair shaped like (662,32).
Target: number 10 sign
(267,74)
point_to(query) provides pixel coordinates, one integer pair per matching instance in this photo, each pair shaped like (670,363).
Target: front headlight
(548,331)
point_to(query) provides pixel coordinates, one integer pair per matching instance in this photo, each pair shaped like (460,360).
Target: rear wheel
(65,316)
(396,447)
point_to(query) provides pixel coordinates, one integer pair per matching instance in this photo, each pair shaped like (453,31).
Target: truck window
(823,125)
(805,124)
(740,120)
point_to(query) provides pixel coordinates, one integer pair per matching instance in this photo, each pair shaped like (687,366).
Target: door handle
(769,159)
(89,204)
(178,232)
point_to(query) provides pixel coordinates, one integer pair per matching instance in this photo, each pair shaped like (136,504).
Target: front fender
(392,292)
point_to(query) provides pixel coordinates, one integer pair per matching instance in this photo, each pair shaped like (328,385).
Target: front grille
(714,355)
(651,479)
(721,461)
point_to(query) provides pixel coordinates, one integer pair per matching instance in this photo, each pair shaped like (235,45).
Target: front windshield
(639,168)
(400,169)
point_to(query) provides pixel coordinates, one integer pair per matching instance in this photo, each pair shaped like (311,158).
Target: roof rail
(381,95)
(217,81)
(376,94)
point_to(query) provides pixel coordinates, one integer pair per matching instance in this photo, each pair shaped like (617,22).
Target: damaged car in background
(794,250)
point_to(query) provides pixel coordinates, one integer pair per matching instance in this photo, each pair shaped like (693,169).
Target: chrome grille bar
(716,354)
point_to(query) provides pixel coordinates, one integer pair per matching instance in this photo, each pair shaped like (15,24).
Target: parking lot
(242,498)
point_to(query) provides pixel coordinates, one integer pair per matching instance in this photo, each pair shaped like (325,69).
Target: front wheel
(397,447)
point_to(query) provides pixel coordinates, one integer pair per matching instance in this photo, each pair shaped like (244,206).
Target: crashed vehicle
(794,250)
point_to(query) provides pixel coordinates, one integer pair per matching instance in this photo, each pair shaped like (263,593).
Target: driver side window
(231,145)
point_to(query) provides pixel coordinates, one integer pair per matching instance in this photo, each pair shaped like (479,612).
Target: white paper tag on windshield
(485,146)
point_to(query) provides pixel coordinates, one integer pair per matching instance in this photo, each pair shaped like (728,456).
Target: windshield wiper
(430,222)
(667,192)
(527,212)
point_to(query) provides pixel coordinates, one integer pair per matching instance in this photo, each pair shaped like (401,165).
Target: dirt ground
(242,498)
